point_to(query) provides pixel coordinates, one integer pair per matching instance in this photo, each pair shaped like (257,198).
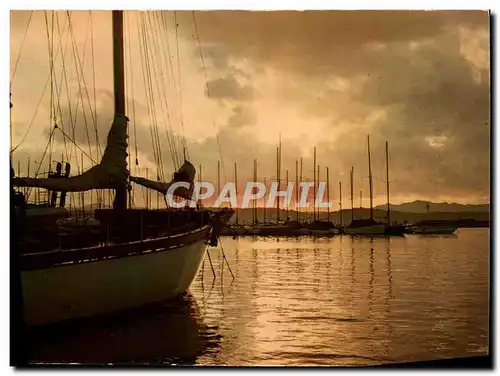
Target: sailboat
(366,226)
(391,228)
(134,256)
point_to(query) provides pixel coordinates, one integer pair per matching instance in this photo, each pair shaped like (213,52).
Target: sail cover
(111,173)
(186,173)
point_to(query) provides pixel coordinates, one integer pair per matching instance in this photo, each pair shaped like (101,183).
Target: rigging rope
(209,93)
(148,87)
(186,152)
(161,92)
(132,88)
(81,79)
(41,162)
(99,151)
(64,76)
(158,87)
(40,100)
(170,71)
(168,128)
(76,145)
(51,66)
(21,48)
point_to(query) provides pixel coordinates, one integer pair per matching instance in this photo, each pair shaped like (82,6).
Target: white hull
(367,230)
(101,287)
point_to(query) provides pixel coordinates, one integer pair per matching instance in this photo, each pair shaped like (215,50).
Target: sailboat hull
(100,287)
(366,230)
(432,230)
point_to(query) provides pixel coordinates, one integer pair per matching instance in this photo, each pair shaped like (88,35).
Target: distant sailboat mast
(255,218)
(328,194)
(340,203)
(314,186)
(370,179)
(352,193)
(279,176)
(300,180)
(387,181)
(236,191)
(297,189)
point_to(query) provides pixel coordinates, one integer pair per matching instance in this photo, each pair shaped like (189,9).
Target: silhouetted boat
(121,259)
(431,227)
(366,226)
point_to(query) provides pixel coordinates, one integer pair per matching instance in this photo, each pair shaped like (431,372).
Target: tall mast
(370,179)
(340,203)
(387,183)
(352,193)
(199,181)
(236,189)
(317,181)
(300,180)
(297,189)
(199,203)
(218,178)
(287,212)
(278,170)
(314,186)
(255,201)
(328,195)
(119,89)
(265,203)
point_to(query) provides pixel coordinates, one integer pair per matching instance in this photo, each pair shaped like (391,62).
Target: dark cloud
(432,103)
(408,66)
(228,88)
(316,42)
(241,116)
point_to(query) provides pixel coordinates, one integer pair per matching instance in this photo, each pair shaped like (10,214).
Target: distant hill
(410,212)
(442,207)
(246,215)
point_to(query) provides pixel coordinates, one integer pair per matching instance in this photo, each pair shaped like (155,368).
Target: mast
(147,190)
(29,163)
(199,203)
(387,182)
(314,185)
(287,196)
(119,89)
(370,179)
(278,170)
(297,189)
(265,203)
(236,189)
(352,193)
(218,178)
(361,199)
(300,181)
(278,181)
(340,202)
(317,180)
(328,195)
(199,181)
(254,211)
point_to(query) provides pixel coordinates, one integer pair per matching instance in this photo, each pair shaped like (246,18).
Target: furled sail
(186,173)
(111,173)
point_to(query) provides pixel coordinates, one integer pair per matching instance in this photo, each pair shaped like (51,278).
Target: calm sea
(307,301)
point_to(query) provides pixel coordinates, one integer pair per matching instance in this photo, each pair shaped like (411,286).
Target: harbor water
(304,301)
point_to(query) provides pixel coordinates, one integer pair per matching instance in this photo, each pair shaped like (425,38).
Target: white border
(185,4)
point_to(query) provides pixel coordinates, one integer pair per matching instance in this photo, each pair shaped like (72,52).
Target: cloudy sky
(419,80)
